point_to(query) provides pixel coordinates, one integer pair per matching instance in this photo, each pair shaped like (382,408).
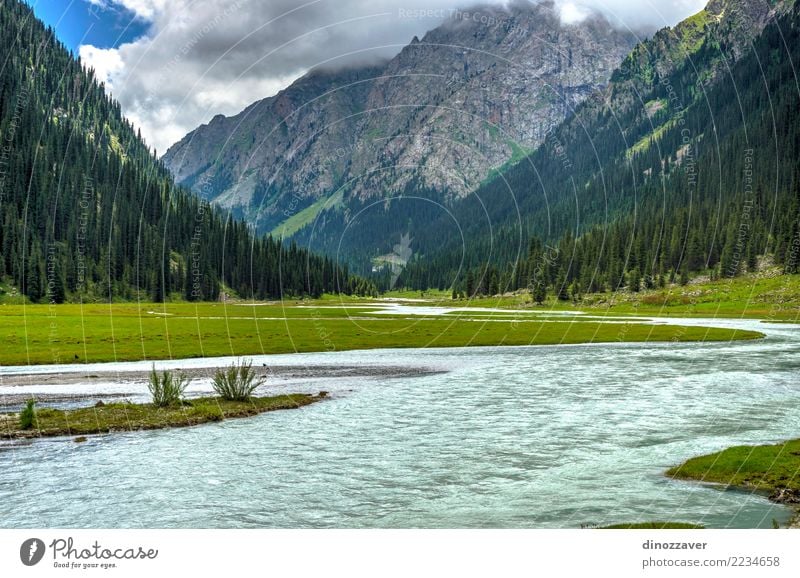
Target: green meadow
(771,297)
(654,526)
(73,333)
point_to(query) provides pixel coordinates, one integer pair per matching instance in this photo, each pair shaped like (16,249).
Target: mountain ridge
(651,191)
(441,115)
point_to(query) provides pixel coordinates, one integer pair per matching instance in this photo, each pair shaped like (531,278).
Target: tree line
(88,211)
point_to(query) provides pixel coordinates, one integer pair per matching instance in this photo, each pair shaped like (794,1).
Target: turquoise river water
(531,437)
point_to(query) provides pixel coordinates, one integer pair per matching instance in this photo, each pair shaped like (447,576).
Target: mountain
(685,164)
(451,109)
(277,143)
(88,212)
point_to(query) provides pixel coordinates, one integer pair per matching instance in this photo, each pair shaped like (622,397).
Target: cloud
(644,14)
(571,12)
(106,62)
(144,9)
(205,57)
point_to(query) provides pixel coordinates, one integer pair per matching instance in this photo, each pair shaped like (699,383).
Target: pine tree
(78,181)
(538,290)
(634,281)
(470,285)
(562,291)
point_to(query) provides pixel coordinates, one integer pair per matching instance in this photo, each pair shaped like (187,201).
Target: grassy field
(118,417)
(768,468)
(766,296)
(43,334)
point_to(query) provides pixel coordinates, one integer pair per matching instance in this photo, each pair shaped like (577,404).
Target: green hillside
(685,165)
(87,212)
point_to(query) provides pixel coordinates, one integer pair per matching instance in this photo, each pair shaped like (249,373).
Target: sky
(175,64)
(80,22)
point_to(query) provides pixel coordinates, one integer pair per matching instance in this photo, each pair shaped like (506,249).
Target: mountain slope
(88,213)
(685,164)
(472,95)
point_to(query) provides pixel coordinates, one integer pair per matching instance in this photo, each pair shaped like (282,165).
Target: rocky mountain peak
(475,93)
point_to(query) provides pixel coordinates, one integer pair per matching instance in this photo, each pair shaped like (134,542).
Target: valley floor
(62,334)
(767,295)
(75,333)
(93,333)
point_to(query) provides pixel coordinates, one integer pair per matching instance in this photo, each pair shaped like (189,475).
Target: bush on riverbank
(654,526)
(237,382)
(28,415)
(167,389)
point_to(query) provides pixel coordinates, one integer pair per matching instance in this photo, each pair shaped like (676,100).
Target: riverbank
(773,470)
(123,417)
(654,526)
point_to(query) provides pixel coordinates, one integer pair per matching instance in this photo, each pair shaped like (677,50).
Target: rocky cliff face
(295,143)
(474,94)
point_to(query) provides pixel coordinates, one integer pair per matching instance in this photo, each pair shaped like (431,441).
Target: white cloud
(205,57)
(571,12)
(642,13)
(106,61)
(145,9)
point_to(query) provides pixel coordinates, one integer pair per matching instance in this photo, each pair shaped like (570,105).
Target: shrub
(28,415)
(167,389)
(237,382)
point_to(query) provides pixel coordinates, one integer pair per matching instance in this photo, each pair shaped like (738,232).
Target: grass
(647,140)
(654,526)
(27,417)
(517,154)
(414,294)
(690,34)
(72,333)
(43,334)
(767,468)
(121,417)
(770,297)
(307,215)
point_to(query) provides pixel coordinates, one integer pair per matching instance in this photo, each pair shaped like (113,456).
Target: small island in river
(124,417)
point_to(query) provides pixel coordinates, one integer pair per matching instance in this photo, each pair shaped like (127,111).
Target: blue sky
(82,22)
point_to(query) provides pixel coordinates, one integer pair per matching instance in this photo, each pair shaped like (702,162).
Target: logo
(395,261)
(32,551)
(402,253)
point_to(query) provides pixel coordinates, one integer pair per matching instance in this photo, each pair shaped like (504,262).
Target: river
(530,437)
